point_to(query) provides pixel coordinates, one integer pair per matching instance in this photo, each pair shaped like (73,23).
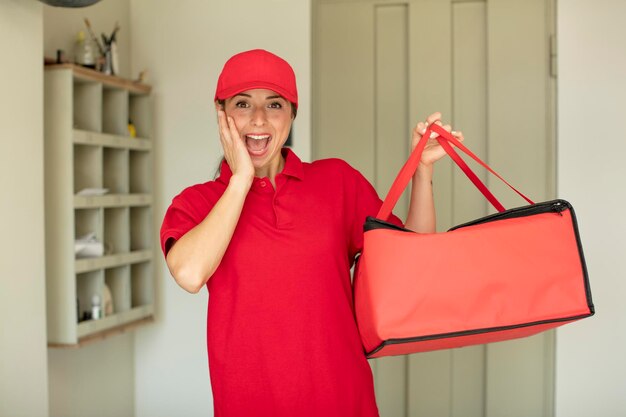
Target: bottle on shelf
(96,307)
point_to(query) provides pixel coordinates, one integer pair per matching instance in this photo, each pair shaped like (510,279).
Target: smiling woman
(273,240)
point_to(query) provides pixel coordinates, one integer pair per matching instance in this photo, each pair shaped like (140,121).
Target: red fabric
(503,273)
(257,69)
(281,334)
(410,166)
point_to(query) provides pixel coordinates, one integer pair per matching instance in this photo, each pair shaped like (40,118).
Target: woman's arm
(196,255)
(421,217)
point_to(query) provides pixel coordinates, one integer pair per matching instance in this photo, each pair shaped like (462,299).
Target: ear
(218,106)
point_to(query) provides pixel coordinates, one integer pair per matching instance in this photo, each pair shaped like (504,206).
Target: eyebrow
(266,98)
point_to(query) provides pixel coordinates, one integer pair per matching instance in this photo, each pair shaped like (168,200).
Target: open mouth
(257,143)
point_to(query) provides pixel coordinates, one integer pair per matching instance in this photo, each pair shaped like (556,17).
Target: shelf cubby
(116,227)
(139,113)
(87,167)
(140,172)
(115,170)
(140,228)
(118,282)
(115,111)
(89,221)
(142,289)
(87,108)
(88,284)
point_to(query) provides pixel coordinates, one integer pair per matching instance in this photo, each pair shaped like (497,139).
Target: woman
(274,239)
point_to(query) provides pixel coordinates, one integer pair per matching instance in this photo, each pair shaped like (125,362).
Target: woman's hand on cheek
(235,150)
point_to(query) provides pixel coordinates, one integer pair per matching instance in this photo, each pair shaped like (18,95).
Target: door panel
(518,91)
(430,384)
(469,102)
(391,145)
(519,146)
(391,90)
(345,120)
(430,64)
(468,382)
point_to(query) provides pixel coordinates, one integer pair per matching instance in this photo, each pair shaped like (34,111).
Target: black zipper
(555,206)
(372,223)
(389,342)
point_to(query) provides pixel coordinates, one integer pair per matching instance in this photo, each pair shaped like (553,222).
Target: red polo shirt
(281,335)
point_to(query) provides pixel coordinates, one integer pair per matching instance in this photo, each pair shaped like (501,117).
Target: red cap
(257,69)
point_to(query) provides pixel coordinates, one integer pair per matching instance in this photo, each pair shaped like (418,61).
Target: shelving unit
(87,145)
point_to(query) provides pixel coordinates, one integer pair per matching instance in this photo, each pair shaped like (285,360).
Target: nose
(258,116)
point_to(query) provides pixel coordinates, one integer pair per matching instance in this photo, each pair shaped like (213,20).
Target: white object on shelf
(87,246)
(96,307)
(93,191)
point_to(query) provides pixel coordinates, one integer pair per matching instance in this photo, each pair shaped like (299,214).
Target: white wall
(185,44)
(591,355)
(23,367)
(83,381)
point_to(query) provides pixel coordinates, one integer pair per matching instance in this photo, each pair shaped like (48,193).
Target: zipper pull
(558,207)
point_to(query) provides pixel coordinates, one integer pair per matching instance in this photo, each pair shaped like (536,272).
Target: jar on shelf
(84,51)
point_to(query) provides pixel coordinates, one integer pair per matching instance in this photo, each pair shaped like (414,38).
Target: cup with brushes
(107,46)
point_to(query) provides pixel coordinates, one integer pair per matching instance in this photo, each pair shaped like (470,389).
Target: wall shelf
(112,200)
(111,141)
(110,261)
(87,145)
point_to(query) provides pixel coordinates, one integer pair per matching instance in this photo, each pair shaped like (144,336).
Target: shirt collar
(293,167)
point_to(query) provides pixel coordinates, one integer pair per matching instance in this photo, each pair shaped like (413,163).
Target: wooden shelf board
(104,334)
(84,137)
(107,80)
(111,261)
(93,327)
(112,200)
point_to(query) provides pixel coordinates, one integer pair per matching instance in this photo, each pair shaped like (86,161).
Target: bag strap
(409,168)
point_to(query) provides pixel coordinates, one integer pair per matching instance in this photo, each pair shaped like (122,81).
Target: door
(382,66)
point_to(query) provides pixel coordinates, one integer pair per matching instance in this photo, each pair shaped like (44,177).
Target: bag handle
(409,168)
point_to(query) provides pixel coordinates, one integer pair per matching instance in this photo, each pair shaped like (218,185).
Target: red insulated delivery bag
(507,275)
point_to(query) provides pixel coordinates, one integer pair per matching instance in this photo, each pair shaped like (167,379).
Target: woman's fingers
(433,118)
(234,133)
(224,130)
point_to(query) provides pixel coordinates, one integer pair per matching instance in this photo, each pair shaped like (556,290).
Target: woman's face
(263,119)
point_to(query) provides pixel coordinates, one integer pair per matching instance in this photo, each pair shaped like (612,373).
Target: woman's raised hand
(433,150)
(235,150)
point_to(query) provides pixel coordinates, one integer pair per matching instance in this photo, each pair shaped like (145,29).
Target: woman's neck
(272,170)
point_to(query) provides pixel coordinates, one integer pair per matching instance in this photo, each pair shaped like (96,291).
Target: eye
(275,105)
(242,104)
